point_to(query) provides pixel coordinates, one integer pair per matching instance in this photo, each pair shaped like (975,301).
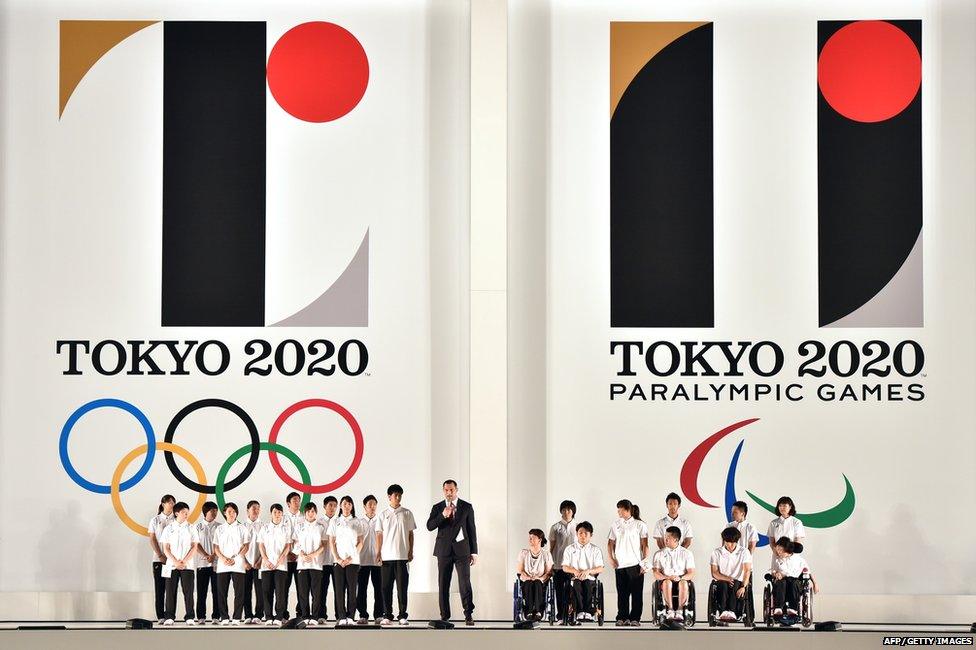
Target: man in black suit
(456,548)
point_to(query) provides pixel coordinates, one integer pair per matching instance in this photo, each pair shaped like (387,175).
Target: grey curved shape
(345,303)
(899,303)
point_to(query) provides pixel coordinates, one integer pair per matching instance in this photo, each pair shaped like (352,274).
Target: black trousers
(395,571)
(725,598)
(534,594)
(184,578)
(583,596)
(346,581)
(207,579)
(323,611)
(252,585)
(445,570)
(274,588)
(159,590)
(367,575)
(223,589)
(561,585)
(292,571)
(786,593)
(309,582)
(630,594)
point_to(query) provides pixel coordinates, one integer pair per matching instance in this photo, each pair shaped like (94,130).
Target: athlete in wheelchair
(534,591)
(788,596)
(730,594)
(673,595)
(583,561)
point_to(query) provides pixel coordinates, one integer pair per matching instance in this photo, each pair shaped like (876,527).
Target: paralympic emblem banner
(217,275)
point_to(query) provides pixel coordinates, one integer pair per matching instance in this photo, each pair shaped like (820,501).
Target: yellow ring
(131,456)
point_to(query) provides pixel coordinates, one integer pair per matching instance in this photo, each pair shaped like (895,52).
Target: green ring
(265,446)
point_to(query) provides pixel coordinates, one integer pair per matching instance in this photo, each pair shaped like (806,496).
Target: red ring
(357,433)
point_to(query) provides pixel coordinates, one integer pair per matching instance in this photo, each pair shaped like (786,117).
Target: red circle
(318,71)
(357,433)
(869,71)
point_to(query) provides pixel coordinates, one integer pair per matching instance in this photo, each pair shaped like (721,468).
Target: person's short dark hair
(231,506)
(368,498)
(181,505)
(449,481)
(626,505)
(310,506)
(329,499)
(585,525)
(277,506)
(741,505)
(208,506)
(292,495)
(672,495)
(252,502)
(538,533)
(786,544)
(567,504)
(731,534)
(788,501)
(674,532)
(394,489)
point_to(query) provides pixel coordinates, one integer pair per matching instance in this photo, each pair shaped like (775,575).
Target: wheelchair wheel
(517,603)
(749,608)
(806,607)
(768,605)
(599,603)
(551,601)
(656,601)
(691,610)
(711,605)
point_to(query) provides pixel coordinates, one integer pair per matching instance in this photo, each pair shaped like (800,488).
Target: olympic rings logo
(200,485)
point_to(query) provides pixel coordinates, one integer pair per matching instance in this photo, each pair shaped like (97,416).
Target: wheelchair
(804,608)
(745,611)
(519,611)
(660,611)
(596,603)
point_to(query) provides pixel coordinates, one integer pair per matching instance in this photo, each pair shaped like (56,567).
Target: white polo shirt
(396,526)
(673,561)
(205,535)
(157,526)
(231,538)
(293,519)
(327,559)
(346,531)
(562,535)
(790,527)
(253,552)
(275,537)
(583,557)
(307,538)
(665,522)
(627,533)
(367,557)
(747,531)
(180,538)
(731,563)
(535,566)
(791,566)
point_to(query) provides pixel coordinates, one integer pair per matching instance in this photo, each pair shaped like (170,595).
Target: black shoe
(469,621)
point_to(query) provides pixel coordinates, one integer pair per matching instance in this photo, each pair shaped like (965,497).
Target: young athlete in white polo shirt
(787,567)
(252,565)
(673,518)
(308,544)
(157,526)
(369,566)
(205,563)
(534,567)
(274,544)
(346,535)
(394,539)
(583,561)
(562,534)
(748,535)
(627,548)
(786,525)
(293,517)
(180,545)
(731,565)
(230,546)
(329,507)
(673,565)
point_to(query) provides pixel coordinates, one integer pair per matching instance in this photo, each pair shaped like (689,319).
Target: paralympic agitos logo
(689,485)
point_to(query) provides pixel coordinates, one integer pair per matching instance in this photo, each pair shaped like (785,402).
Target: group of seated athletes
(575,561)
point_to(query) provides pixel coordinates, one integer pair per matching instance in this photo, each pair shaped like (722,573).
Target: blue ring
(91,406)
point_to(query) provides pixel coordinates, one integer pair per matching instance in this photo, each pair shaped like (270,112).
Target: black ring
(252,429)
